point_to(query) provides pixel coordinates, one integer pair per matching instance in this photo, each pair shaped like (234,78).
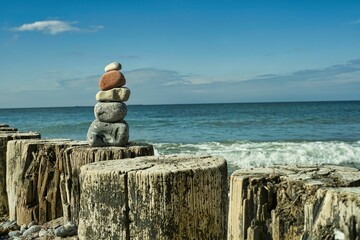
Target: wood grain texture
(75,157)
(4,139)
(283,202)
(42,176)
(167,197)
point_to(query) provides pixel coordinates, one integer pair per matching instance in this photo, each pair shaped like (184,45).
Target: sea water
(245,134)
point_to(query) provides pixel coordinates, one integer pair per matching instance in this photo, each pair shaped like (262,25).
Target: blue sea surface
(246,134)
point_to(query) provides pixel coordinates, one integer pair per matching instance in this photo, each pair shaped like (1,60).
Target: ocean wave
(241,154)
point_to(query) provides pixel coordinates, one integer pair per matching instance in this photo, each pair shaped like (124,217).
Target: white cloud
(355,22)
(54,27)
(164,77)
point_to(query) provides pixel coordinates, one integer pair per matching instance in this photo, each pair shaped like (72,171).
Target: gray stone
(33,229)
(3,125)
(43,233)
(12,225)
(16,233)
(110,112)
(114,95)
(51,232)
(113,66)
(102,134)
(69,229)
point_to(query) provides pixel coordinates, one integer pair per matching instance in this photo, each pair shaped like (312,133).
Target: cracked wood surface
(5,137)
(284,202)
(42,176)
(167,197)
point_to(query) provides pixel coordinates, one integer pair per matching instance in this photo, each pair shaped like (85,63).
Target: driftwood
(42,178)
(286,202)
(4,139)
(167,197)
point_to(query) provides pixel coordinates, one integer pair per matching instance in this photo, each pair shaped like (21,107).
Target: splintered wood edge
(168,163)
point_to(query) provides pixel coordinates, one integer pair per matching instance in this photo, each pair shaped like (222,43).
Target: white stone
(113,66)
(16,233)
(43,233)
(113,95)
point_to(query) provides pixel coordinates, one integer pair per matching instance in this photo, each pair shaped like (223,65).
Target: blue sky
(179,51)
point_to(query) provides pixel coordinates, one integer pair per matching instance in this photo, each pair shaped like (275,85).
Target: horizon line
(209,103)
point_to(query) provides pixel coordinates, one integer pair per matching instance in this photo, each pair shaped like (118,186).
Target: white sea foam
(256,154)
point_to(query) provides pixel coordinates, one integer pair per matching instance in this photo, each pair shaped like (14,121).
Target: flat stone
(113,66)
(55,223)
(111,79)
(113,95)
(3,125)
(43,233)
(69,229)
(32,230)
(16,233)
(103,134)
(110,112)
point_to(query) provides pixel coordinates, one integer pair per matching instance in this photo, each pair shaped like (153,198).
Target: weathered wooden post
(285,202)
(334,211)
(42,176)
(75,157)
(166,197)
(5,137)
(33,177)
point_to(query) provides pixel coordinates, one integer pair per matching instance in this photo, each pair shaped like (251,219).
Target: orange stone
(111,79)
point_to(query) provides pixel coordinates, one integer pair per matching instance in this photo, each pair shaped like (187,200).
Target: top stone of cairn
(113,66)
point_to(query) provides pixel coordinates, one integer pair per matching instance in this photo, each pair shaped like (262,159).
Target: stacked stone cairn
(109,127)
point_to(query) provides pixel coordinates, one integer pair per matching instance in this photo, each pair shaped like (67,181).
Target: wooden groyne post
(42,176)
(5,137)
(285,202)
(166,197)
